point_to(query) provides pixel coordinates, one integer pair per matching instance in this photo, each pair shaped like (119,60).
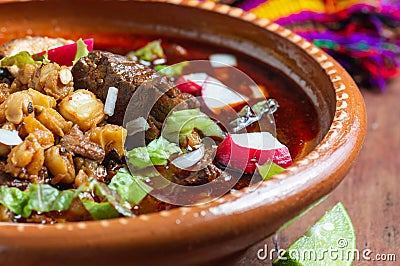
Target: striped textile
(362,35)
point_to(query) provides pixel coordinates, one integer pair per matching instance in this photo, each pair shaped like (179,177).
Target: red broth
(296,119)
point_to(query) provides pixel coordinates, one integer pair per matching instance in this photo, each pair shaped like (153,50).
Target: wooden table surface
(370,192)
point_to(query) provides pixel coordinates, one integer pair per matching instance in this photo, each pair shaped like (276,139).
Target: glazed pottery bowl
(192,235)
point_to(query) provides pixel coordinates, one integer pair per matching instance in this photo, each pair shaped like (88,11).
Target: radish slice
(217,95)
(188,86)
(189,159)
(222,60)
(197,78)
(244,151)
(65,55)
(8,137)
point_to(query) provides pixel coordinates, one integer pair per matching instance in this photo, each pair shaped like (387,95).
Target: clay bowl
(192,235)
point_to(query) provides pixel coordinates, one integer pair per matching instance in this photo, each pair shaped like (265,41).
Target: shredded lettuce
(113,198)
(13,198)
(45,198)
(157,152)
(81,50)
(269,169)
(99,211)
(173,70)
(20,60)
(130,187)
(180,124)
(149,52)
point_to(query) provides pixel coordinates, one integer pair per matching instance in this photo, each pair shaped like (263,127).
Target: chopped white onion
(189,159)
(137,125)
(222,60)
(9,137)
(198,78)
(159,61)
(111,100)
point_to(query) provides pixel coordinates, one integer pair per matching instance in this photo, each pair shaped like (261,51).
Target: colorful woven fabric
(361,34)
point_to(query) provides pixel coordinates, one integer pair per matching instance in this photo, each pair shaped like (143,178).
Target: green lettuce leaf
(13,198)
(63,200)
(81,50)
(41,198)
(45,198)
(171,71)
(269,169)
(149,52)
(130,187)
(100,211)
(157,152)
(180,124)
(116,201)
(20,60)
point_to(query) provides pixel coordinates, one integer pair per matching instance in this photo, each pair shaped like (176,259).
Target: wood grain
(370,192)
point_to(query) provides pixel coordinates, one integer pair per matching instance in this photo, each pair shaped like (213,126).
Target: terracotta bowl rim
(347,130)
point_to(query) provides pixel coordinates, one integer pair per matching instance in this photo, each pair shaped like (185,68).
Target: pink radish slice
(243,151)
(65,55)
(188,86)
(217,95)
